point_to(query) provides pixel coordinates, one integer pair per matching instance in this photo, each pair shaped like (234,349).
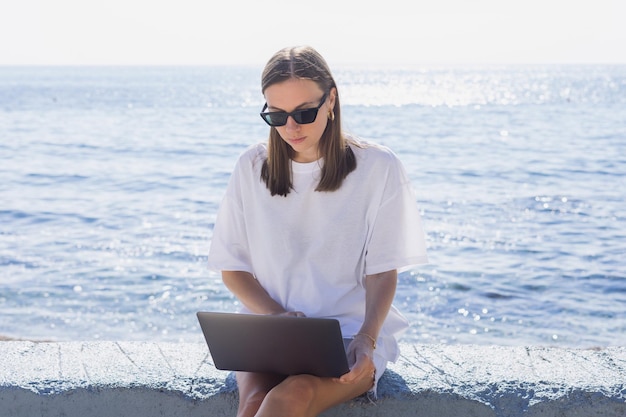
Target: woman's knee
(297,389)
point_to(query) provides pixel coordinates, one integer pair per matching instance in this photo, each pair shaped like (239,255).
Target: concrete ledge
(146,379)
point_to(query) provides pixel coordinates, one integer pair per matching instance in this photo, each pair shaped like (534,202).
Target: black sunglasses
(302,117)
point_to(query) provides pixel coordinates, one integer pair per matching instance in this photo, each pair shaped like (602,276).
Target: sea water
(110,179)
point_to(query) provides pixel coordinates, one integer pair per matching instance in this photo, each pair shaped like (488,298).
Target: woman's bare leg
(253,387)
(308,396)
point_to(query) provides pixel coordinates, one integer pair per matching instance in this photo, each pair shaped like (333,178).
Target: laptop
(276,344)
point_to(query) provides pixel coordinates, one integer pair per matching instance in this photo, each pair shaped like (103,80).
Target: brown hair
(306,63)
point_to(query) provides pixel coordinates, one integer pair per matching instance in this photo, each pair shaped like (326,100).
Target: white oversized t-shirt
(311,250)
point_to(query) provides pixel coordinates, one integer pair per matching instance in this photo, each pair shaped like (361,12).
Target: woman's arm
(251,294)
(380,290)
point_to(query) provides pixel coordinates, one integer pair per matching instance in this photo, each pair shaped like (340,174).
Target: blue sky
(389,32)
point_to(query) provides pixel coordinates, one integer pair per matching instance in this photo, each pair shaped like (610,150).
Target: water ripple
(111,178)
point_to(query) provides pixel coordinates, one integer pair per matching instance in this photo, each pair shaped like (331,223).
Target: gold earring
(331,115)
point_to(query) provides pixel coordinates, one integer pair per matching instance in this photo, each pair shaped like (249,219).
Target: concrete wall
(152,379)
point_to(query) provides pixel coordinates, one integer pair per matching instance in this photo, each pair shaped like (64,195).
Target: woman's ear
(332,97)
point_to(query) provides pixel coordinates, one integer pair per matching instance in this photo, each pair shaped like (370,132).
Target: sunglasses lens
(305,116)
(275,118)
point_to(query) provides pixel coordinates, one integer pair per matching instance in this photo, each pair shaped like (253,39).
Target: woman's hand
(360,359)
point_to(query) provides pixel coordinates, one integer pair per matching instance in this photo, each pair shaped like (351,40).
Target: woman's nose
(292,124)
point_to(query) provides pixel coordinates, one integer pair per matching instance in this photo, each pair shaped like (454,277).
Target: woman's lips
(296,141)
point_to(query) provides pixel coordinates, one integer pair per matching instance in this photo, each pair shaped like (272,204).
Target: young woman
(316,223)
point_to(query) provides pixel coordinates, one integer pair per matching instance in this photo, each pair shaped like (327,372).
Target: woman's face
(297,94)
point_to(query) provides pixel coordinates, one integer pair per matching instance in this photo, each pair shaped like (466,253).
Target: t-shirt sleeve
(229,249)
(397,239)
